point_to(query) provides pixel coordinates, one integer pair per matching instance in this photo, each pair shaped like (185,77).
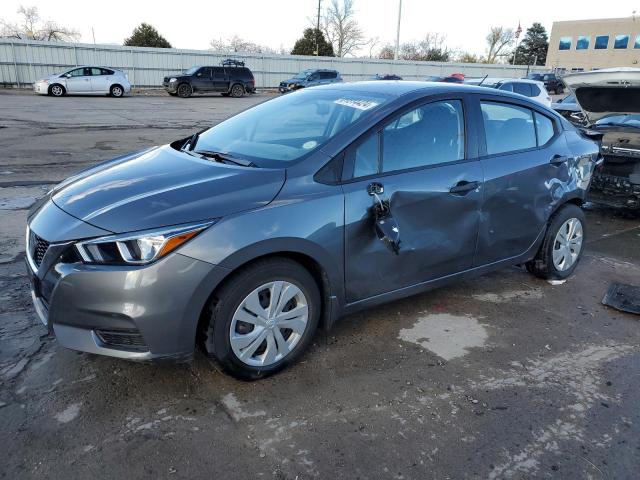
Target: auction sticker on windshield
(359,104)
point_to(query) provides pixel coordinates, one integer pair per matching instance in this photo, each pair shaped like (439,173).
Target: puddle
(508,296)
(448,336)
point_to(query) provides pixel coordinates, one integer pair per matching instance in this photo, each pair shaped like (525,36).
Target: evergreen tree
(146,36)
(533,47)
(307,44)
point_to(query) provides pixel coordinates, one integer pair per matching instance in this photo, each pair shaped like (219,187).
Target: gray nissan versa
(245,237)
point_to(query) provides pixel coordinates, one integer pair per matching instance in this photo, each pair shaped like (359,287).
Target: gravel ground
(505,376)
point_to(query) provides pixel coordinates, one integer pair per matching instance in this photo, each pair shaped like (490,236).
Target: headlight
(173,80)
(139,248)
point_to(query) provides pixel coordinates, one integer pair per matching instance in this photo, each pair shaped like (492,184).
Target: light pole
(395,54)
(318,31)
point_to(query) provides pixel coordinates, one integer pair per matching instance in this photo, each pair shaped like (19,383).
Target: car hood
(163,186)
(606,92)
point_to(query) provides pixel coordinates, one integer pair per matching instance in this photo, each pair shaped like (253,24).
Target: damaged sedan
(610,100)
(244,238)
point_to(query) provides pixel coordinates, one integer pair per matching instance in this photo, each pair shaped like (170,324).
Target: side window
(314,77)
(535,90)
(78,72)
(88,72)
(107,72)
(365,160)
(507,87)
(218,73)
(522,88)
(204,72)
(96,71)
(428,135)
(544,126)
(508,128)
(327,75)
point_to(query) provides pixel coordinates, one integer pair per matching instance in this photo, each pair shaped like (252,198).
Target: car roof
(394,88)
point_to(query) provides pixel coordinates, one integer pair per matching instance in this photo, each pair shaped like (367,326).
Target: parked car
(86,80)
(386,76)
(529,88)
(569,108)
(232,78)
(551,82)
(245,237)
(310,78)
(610,99)
(453,78)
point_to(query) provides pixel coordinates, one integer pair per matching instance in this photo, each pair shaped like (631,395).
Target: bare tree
(238,44)
(499,40)
(430,48)
(341,28)
(372,43)
(32,27)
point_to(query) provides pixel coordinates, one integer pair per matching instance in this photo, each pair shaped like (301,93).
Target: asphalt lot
(505,376)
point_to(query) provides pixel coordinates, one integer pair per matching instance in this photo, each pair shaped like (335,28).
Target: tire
(237,90)
(57,90)
(184,90)
(262,355)
(116,91)
(544,265)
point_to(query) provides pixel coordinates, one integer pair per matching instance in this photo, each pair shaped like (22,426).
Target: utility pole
(395,54)
(318,31)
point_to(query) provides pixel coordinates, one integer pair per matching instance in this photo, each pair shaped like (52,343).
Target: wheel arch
(327,279)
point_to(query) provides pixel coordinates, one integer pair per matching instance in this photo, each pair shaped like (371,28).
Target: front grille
(39,248)
(123,339)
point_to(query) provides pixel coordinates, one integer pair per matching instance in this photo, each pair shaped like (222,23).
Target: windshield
(535,76)
(286,128)
(191,71)
(302,74)
(627,120)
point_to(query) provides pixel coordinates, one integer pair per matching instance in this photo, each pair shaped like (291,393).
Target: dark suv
(552,83)
(230,79)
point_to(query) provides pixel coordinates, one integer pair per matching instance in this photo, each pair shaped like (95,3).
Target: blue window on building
(602,42)
(565,43)
(621,42)
(637,42)
(583,42)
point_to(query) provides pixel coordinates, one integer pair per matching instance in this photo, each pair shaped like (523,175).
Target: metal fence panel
(24,61)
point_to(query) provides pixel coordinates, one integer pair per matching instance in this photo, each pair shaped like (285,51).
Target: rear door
(100,79)
(220,79)
(523,159)
(425,162)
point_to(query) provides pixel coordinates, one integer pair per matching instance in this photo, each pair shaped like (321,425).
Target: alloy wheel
(269,323)
(237,91)
(184,91)
(567,244)
(116,91)
(57,91)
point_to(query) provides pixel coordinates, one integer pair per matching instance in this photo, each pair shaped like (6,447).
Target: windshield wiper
(225,158)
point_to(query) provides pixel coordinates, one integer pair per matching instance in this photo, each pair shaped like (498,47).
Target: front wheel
(184,90)
(263,318)
(562,247)
(56,90)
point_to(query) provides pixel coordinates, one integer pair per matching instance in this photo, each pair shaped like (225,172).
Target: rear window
(508,128)
(327,75)
(522,88)
(289,127)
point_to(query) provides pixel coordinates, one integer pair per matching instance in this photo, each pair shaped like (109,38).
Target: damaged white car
(610,99)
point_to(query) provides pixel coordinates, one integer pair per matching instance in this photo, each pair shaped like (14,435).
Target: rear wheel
(56,90)
(263,318)
(562,247)
(184,90)
(237,90)
(116,91)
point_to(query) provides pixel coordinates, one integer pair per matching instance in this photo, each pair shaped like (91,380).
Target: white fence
(24,61)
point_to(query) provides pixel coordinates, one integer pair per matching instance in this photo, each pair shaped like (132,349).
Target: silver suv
(310,78)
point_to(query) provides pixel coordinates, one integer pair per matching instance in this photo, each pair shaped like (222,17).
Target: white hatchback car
(86,81)
(529,88)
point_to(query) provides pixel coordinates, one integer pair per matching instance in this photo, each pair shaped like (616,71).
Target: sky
(464,23)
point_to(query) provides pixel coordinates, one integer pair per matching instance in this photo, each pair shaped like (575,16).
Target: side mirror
(67,75)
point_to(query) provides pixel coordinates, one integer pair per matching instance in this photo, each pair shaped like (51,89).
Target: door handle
(558,160)
(463,187)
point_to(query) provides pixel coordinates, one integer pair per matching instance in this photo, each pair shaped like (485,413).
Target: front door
(524,165)
(79,80)
(202,81)
(433,190)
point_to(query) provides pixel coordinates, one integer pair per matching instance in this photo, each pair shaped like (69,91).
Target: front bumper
(131,312)
(170,87)
(41,88)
